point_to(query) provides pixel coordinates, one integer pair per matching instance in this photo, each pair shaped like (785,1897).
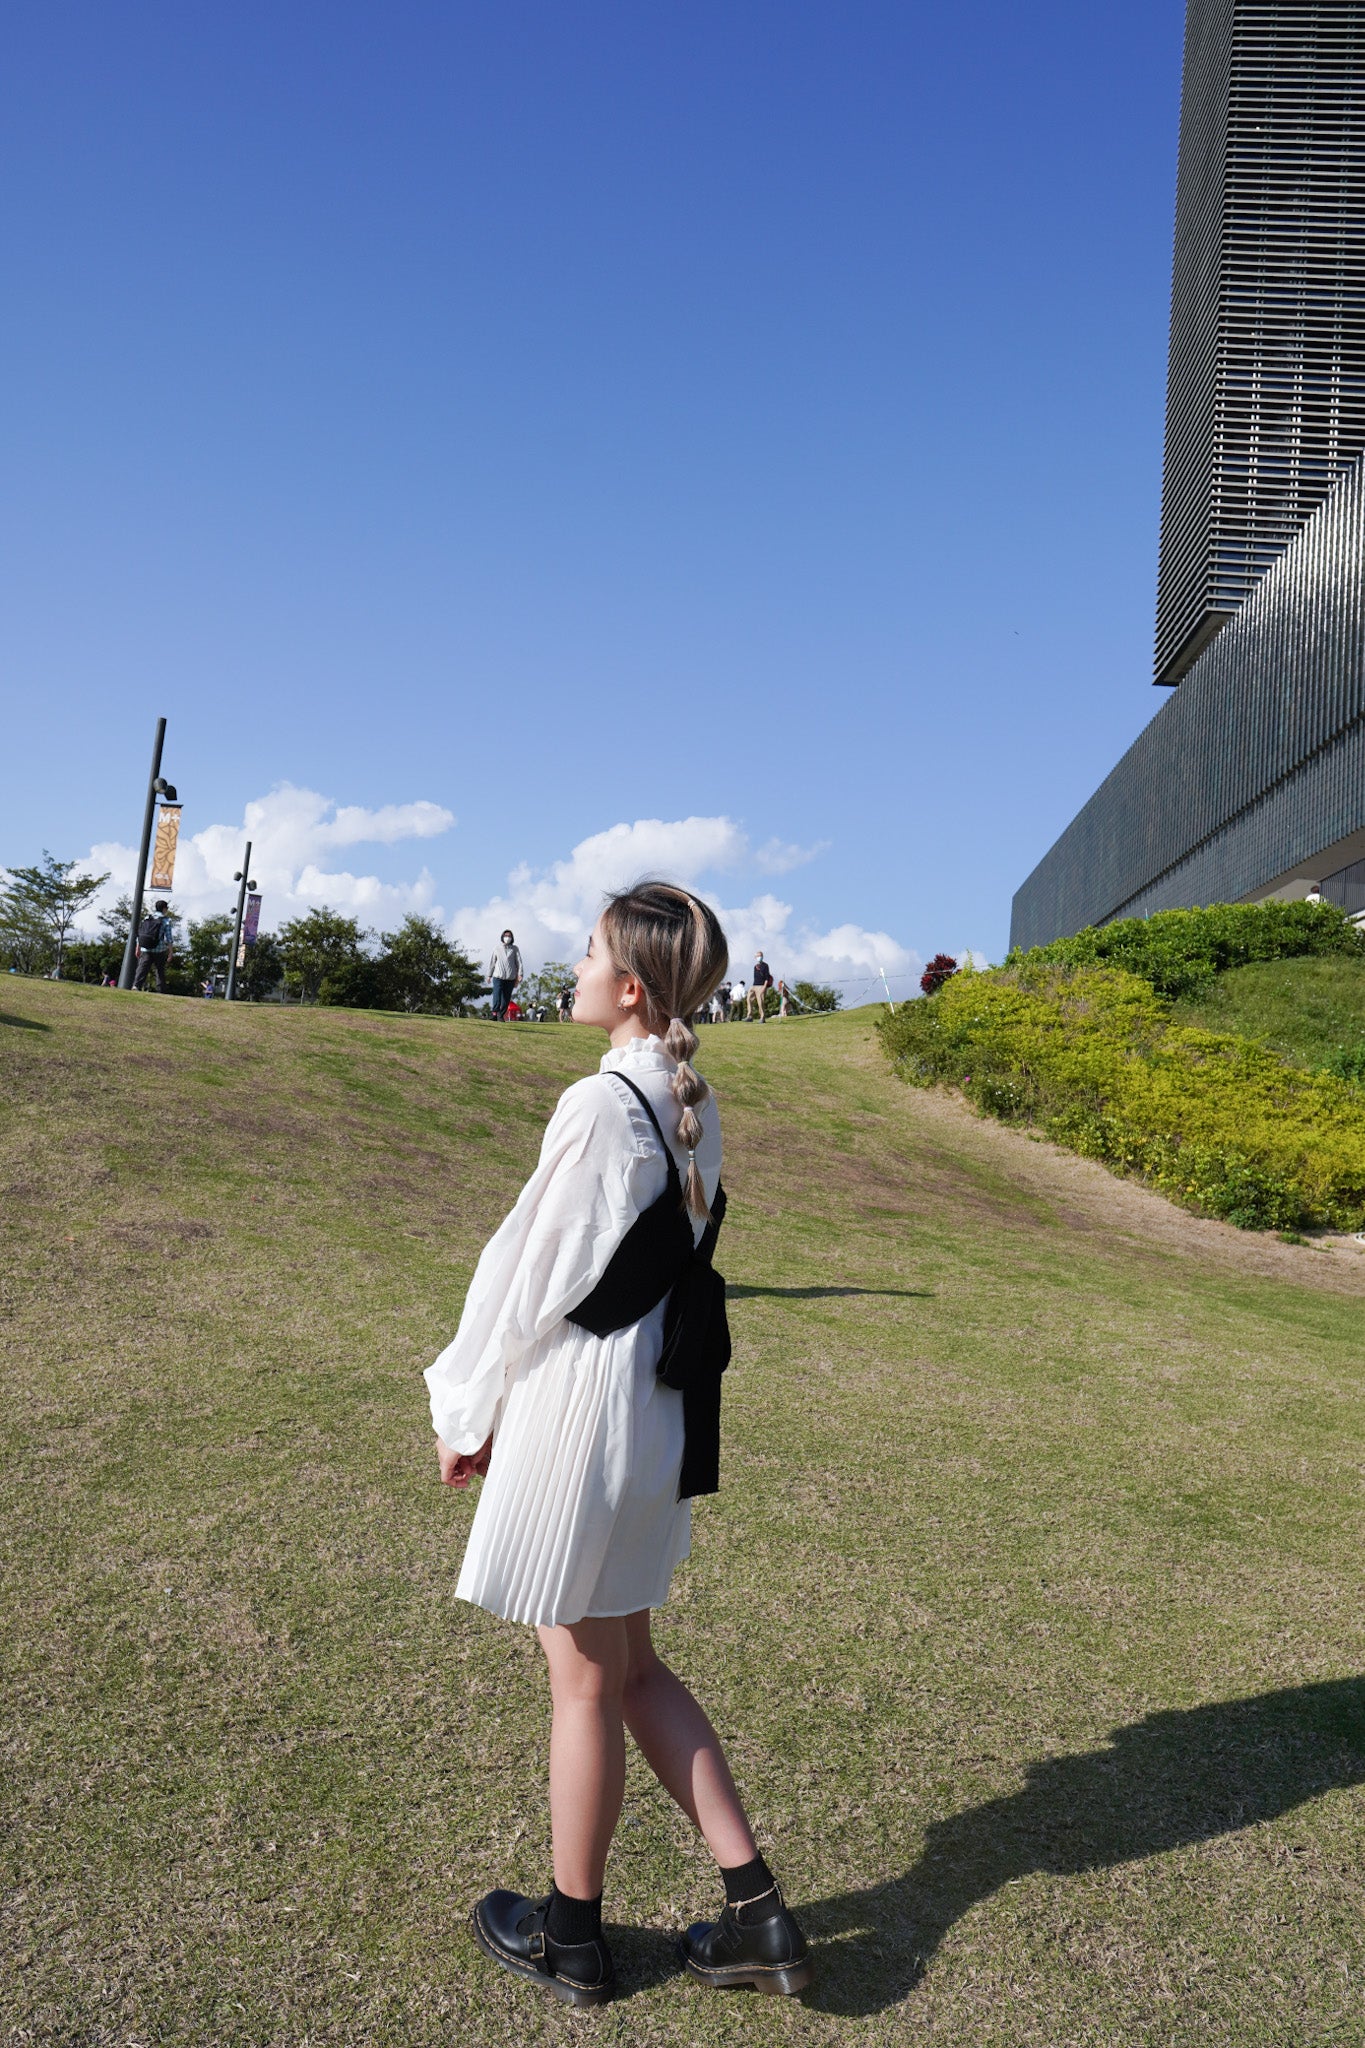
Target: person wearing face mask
(504,971)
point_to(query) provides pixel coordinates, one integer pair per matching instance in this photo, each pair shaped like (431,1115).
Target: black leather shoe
(511,1929)
(766,1951)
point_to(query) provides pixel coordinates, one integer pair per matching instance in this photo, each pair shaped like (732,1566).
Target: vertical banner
(252,921)
(167,838)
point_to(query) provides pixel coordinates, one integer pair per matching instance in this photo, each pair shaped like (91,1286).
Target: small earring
(623,1005)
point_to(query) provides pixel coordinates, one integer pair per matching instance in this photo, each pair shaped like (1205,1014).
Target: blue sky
(554,418)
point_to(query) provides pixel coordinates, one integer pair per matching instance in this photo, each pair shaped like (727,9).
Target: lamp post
(157,785)
(240,877)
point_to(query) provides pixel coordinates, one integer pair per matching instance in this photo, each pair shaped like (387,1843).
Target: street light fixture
(157,786)
(244,884)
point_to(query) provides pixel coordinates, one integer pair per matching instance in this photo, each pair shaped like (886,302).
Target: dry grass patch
(1030,1599)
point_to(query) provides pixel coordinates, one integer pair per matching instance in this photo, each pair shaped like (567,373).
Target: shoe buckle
(535,1946)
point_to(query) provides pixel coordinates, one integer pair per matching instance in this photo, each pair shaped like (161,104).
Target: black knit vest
(657,1258)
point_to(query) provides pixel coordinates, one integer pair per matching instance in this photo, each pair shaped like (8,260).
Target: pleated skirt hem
(656,1595)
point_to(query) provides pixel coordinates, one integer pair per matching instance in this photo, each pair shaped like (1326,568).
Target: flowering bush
(1091,1056)
(940,969)
(1180,951)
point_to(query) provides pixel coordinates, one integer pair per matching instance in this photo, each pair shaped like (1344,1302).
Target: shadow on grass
(23,1023)
(734,1293)
(1166,1782)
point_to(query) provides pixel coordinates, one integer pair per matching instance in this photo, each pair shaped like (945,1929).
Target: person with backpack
(155,945)
(583,1386)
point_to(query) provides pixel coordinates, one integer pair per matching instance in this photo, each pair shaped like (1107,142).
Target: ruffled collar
(647,1053)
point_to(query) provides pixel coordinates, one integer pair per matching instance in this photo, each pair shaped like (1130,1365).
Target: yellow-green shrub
(1090,1055)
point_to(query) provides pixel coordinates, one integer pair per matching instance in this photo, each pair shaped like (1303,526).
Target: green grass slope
(1030,1603)
(1306,1009)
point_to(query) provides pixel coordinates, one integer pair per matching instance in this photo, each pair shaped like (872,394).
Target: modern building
(1250,781)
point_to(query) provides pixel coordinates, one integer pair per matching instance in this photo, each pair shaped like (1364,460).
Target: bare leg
(588,1661)
(682,1749)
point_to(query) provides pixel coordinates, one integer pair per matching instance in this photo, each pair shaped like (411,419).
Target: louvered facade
(1250,780)
(1265,400)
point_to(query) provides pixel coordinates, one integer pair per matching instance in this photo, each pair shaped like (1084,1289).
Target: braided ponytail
(689,1091)
(673,945)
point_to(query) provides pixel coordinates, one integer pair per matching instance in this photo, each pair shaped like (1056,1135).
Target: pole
(125,976)
(231,988)
(887,986)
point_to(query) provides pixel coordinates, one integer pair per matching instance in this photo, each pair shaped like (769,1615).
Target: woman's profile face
(596,997)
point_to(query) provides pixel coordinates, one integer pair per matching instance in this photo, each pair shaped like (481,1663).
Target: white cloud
(292,831)
(849,955)
(551,910)
(296,834)
(779,858)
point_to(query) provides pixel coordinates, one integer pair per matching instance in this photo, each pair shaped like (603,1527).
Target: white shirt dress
(579,1514)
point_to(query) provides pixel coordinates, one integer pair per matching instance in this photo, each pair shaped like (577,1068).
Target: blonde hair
(673,945)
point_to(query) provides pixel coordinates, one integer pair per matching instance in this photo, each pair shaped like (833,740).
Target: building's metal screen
(1256,762)
(1266,384)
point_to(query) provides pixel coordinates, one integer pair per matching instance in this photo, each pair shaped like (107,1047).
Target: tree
(117,920)
(207,952)
(90,960)
(324,959)
(420,969)
(262,972)
(816,995)
(940,969)
(543,990)
(39,910)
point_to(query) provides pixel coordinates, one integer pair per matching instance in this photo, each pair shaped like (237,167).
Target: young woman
(581,1519)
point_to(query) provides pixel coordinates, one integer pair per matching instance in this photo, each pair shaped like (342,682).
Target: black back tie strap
(657,1258)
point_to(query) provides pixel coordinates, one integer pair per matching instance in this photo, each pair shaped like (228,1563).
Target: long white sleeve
(593,1179)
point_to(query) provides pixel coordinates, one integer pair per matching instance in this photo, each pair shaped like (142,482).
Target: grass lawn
(1030,1605)
(1305,1008)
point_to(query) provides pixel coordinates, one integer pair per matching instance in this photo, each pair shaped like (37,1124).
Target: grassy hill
(1306,1009)
(1030,1602)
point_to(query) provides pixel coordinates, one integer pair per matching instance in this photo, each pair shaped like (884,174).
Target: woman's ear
(631,995)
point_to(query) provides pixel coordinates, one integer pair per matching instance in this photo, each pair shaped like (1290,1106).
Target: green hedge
(1091,1056)
(1180,951)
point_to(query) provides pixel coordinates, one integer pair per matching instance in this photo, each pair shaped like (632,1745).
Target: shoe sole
(782,1980)
(558,1987)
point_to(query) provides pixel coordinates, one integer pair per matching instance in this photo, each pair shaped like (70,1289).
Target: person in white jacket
(579,1525)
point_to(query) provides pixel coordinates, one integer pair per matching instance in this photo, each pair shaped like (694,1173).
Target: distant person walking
(784,1000)
(504,971)
(759,986)
(736,1001)
(155,944)
(717,1009)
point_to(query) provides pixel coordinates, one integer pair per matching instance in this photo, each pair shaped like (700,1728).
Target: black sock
(750,1884)
(570,1921)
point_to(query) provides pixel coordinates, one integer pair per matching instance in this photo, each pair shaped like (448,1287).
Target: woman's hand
(459,1467)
